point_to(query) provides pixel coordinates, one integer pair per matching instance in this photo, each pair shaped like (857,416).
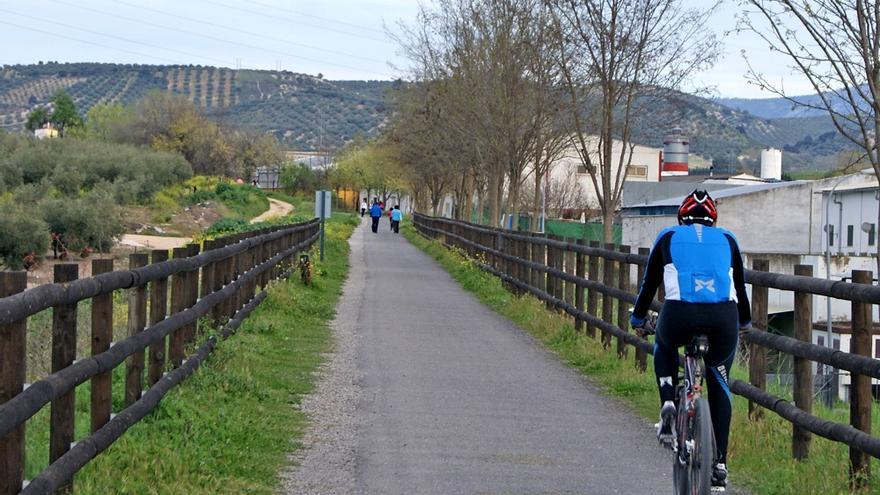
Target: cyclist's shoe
(719,475)
(664,427)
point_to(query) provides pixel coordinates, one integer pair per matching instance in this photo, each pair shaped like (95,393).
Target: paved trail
(455,399)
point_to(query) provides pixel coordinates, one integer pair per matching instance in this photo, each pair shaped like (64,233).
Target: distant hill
(733,138)
(308,112)
(304,111)
(780,108)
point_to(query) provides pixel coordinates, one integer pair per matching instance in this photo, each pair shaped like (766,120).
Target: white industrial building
(645,165)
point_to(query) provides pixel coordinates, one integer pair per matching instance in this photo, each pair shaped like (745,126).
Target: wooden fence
(224,282)
(564,274)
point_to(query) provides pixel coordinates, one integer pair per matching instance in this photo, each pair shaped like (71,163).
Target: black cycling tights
(678,323)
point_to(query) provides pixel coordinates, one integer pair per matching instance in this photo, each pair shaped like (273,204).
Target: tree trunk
(494,201)
(480,207)
(536,215)
(608,225)
(514,203)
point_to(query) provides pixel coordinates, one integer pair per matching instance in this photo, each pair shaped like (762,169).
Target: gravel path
(326,464)
(430,391)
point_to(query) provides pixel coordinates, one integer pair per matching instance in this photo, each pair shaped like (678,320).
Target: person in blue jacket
(701,268)
(396,217)
(375,215)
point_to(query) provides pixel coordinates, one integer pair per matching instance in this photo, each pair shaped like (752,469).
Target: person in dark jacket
(375,215)
(701,268)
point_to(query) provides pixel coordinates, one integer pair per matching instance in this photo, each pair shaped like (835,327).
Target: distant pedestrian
(363,207)
(375,215)
(390,222)
(396,217)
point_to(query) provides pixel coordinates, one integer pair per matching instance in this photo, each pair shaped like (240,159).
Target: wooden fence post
(158,310)
(61,425)
(206,284)
(569,269)
(13,363)
(549,282)
(178,304)
(559,259)
(219,279)
(102,335)
(641,356)
(579,268)
(192,292)
(539,278)
(137,320)
(623,305)
(803,372)
(592,295)
(607,301)
(860,389)
(758,353)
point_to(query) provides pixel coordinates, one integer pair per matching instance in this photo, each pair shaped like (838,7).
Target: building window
(830,234)
(872,230)
(582,169)
(820,341)
(877,348)
(637,171)
(849,235)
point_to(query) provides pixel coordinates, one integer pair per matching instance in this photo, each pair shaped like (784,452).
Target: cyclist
(701,268)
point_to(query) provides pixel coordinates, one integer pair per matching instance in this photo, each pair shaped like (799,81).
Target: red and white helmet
(697,207)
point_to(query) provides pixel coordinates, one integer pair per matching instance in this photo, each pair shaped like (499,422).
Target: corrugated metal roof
(723,193)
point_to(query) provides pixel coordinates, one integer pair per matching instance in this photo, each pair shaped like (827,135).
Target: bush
(75,164)
(21,233)
(93,220)
(226,226)
(245,200)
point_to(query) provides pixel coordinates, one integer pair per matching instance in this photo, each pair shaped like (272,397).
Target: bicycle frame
(691,382)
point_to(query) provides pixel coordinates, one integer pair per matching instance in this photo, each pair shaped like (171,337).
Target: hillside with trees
(304,112)
(310,113)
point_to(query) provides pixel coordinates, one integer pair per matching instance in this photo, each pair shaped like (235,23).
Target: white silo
(771,164)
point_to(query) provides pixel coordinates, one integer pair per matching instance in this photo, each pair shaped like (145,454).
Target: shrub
(21,233)
(245,200)
(226,226)
(72,164)
(93,220)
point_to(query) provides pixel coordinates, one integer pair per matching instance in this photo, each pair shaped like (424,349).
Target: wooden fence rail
(542,271)
(225,281)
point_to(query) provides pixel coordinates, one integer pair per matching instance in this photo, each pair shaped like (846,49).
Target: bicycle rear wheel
(692,469)
(703,454)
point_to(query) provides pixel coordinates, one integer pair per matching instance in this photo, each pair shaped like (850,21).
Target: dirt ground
(277,208)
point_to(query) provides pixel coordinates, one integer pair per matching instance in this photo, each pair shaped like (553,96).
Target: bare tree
(835,45)
(480,52)
(617,55)
(566,194)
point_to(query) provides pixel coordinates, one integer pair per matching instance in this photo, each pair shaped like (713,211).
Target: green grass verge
(230,426)
(759,453)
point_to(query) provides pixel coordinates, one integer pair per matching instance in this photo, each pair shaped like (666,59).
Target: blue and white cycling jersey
(697,264)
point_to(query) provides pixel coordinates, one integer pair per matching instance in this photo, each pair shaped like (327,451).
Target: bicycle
(693,439)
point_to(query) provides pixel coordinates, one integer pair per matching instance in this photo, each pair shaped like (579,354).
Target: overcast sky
(342,39)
